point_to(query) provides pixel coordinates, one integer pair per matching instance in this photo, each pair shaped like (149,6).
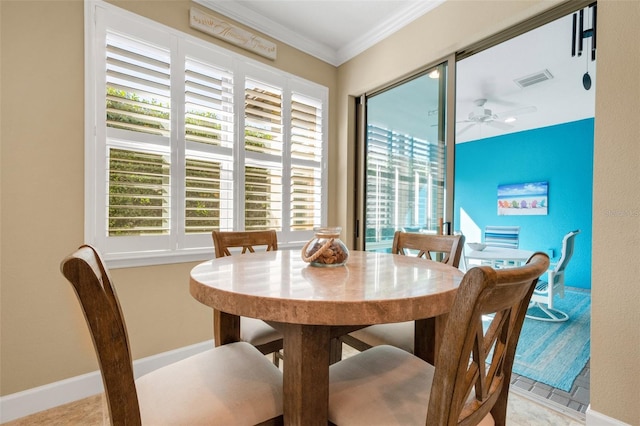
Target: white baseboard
(598,419)
(44,397)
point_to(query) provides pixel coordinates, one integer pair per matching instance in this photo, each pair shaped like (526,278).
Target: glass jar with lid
(326,248)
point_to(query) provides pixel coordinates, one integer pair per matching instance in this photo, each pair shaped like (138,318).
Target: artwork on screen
(523,199)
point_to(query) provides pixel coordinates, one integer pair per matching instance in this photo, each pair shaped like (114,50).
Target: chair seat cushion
(381,386)
(231,384)
(257,332)
(400,335)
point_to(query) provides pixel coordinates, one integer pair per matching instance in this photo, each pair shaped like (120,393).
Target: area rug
(556,353)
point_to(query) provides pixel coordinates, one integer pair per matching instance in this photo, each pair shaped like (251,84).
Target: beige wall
(615,331)
(615,370)
(44,338)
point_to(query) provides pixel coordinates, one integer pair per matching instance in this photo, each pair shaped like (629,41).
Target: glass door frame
(451,61)
(446,133)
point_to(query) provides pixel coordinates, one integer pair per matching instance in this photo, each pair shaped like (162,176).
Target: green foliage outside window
(137,193)
(203,196)
(256,198)
(139,182)
(126,110)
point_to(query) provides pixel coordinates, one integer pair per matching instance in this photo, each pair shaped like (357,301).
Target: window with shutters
(264,150)
(185,137)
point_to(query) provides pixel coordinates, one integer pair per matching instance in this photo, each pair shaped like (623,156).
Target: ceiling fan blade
(518,111)
(499,125)
(464,129)
(497,101)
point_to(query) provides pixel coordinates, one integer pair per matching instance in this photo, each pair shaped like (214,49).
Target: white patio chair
(553,285)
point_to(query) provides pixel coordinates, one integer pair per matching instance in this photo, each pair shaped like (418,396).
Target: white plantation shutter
(209,135)
(138,121)
(184,137)
(380,178)
(402,170)
(138,86)
(202,207)
(208,104)
(263,157)
(138,193)
(306,165)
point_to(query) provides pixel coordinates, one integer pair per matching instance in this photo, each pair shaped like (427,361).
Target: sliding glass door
(404,159)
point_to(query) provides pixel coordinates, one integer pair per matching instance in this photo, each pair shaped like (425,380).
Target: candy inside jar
(326,248)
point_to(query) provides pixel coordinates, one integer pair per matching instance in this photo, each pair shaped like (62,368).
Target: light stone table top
(312,306)
(371,288)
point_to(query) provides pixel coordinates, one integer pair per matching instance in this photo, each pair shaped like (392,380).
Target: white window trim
(95,167)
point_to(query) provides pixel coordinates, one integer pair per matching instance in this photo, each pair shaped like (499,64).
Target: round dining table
(313,306)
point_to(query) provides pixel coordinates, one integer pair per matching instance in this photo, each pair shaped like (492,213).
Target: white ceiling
(337,30)
(490,75)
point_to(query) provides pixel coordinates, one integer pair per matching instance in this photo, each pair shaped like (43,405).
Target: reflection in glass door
(404,159)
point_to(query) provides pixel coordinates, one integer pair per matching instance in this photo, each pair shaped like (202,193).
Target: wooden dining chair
(247,240)
(257,332)
(445,248)
(230,384)
(469,384)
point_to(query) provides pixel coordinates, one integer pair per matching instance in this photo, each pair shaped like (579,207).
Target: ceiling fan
(482,115)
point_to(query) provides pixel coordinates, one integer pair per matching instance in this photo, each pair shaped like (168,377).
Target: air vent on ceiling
(532,79)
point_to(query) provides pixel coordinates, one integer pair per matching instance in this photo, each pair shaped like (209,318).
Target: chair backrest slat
(450,246)
(90,279)
(475,360)
(248,240)
(568,243)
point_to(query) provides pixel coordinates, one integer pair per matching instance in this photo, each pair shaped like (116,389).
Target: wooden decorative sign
(230,33)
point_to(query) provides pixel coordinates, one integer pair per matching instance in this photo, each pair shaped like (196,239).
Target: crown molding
(256,21)
(385,29)
(316,48)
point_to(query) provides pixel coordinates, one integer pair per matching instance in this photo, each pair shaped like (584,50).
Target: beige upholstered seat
(470,384)
(445,248)
(261,335)
(231,384)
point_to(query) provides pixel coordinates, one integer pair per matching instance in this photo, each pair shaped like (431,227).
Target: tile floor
(576,400)
(521,411)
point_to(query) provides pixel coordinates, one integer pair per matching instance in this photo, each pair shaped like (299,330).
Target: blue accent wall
(561,155)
